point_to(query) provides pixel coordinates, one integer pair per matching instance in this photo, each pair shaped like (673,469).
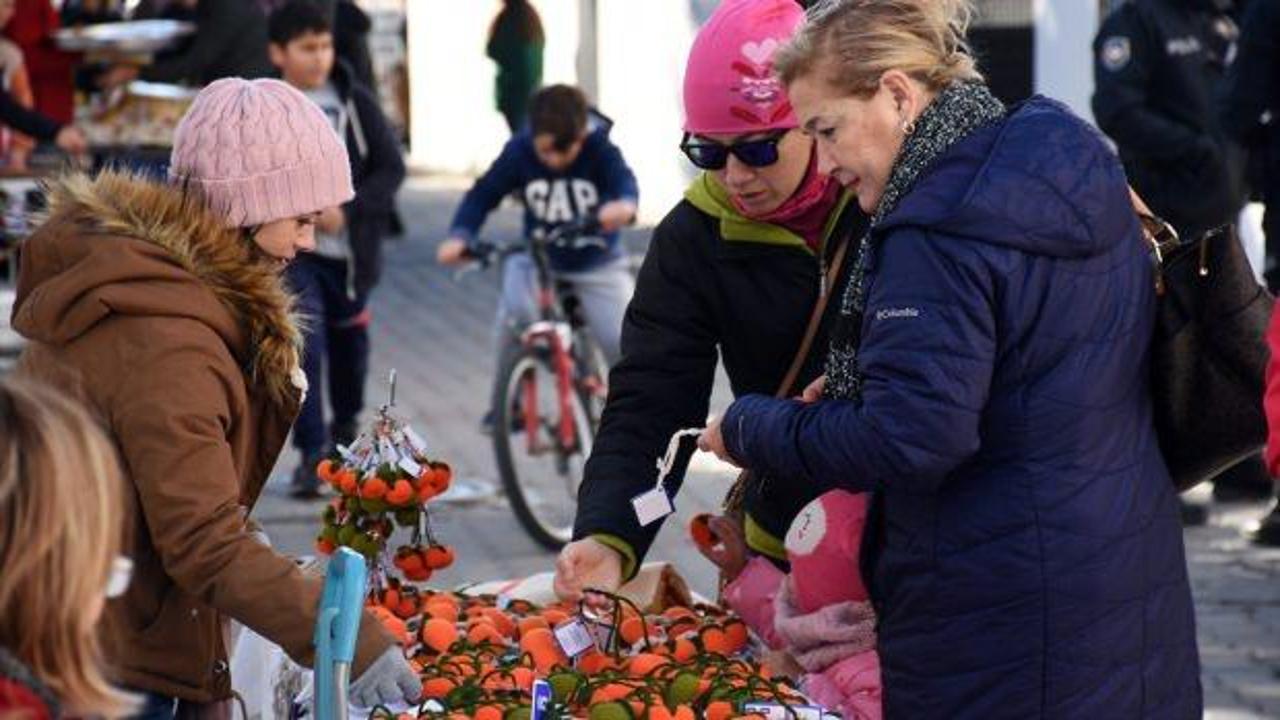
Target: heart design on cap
(760,53)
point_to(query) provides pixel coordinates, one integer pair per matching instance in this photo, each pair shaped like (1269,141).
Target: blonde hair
(854,42)
(61,525)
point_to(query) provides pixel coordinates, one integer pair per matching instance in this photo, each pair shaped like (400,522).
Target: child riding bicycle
(565,169)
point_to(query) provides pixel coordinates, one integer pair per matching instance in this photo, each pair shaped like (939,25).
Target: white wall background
(1064,51)
(455,127)
(642,49)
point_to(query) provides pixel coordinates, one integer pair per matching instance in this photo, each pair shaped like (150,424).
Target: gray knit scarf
(959,110)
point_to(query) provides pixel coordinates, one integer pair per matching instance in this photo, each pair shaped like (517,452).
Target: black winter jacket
(711,281)
(1158,65)
(377,170)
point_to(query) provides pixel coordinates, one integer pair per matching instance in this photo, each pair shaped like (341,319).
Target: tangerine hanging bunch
(385,480)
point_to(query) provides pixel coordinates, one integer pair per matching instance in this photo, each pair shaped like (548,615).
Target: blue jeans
(336,335)
(604,293)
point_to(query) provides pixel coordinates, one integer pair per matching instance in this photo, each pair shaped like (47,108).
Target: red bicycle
(548,393)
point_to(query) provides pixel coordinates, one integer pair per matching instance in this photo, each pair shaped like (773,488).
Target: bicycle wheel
(540,472)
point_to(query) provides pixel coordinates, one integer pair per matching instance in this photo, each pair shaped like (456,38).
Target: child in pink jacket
(818,615)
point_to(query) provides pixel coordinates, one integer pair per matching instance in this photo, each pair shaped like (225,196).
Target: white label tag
(387,452)
(345,453)
(652,505)
(415,441)
(574,638)
(409,465)
(774,711)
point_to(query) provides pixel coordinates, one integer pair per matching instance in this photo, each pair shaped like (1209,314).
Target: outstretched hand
(586,563)
(814,391)
(721,541)
(711,440)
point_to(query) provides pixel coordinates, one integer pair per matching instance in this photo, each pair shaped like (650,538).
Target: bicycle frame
(558,338)
(556,447)
(554,332)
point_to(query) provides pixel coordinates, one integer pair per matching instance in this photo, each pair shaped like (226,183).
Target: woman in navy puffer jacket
(987,381)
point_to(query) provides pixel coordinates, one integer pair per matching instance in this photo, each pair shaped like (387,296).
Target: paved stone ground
(436,333)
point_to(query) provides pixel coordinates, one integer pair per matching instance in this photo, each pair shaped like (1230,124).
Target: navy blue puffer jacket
(1029,559)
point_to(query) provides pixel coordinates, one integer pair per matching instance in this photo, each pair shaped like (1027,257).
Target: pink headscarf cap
(729,83)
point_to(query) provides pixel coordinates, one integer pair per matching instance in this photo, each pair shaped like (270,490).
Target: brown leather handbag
(1208,350)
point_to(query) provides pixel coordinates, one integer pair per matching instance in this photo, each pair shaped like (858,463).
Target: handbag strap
(1156,233)
(733,499)
(815,320)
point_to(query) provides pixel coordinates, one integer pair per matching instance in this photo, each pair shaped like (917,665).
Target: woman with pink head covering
(732,274)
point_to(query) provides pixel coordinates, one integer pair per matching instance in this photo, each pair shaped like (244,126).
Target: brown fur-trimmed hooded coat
(138,301)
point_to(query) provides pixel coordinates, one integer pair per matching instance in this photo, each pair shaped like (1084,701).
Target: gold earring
(908,127)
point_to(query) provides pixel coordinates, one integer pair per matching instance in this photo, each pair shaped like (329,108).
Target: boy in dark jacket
(334,282)
(565,168)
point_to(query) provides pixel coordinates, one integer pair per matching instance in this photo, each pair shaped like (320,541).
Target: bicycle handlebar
(574,235)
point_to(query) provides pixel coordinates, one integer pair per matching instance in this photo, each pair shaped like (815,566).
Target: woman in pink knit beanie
(265,159)
(161,306)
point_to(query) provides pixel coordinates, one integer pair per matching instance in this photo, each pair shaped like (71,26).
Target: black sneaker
(1266,531)
(488,422)
(305,484)
(1246,481)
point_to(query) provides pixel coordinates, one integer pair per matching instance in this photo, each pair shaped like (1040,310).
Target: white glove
(387,681)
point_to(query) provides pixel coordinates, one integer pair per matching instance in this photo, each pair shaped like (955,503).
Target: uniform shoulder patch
(1116,53)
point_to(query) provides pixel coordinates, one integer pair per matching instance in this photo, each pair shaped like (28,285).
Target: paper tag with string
(416,443)
(574,638)
(600,628)
(653,505)
(387,452)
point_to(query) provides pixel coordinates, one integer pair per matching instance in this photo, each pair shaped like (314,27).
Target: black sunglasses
(708,155)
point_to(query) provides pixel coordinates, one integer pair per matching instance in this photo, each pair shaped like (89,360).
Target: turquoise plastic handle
(337,624)
(349,574)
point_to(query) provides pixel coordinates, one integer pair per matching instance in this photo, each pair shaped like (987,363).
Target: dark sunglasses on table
(708,155)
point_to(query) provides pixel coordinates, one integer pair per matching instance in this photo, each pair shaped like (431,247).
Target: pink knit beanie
(729,84)
(823,545)
(260,151)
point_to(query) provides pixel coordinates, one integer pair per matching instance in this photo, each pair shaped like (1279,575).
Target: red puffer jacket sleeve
(1271,401)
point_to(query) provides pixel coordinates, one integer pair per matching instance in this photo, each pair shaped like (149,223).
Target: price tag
(409,465)
(346,453)
(652,505)
(541,700)
(574,638)
(415,440)
(386,452)
(774,711)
